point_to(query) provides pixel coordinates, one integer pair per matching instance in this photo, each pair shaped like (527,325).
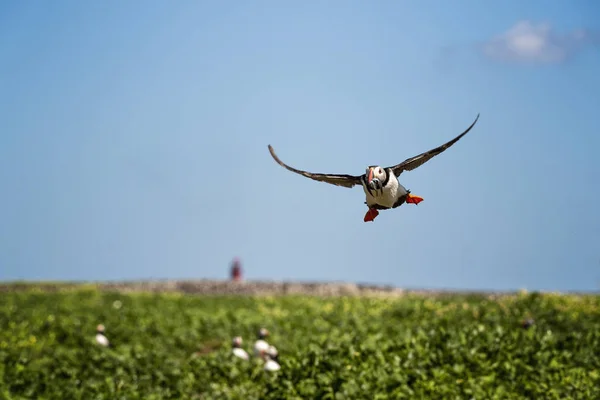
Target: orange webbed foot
(412,199)
(371,215)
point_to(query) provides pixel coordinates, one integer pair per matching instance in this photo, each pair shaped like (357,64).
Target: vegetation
(169,346)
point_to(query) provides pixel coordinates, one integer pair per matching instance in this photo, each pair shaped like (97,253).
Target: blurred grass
(177,346)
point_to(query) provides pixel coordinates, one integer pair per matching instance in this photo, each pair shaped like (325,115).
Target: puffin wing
(414,162)
(334,179)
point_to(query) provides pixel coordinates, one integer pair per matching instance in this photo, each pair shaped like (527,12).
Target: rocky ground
(224,287)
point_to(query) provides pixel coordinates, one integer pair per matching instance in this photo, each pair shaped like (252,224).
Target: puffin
(271,359)
(237,348)
(383,190)
(101,339)
(261,344)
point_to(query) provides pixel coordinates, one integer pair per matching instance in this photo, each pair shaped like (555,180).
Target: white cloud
(535,43)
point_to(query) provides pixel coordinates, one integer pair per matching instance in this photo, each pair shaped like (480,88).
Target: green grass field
(173,346)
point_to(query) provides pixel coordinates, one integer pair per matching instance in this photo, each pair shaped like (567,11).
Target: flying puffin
(382,189)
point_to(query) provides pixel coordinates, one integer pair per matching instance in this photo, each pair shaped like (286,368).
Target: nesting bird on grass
(261,344)
(237,348)
(265,352)
(382,188)
(271,358)
(101,339)
(527,323)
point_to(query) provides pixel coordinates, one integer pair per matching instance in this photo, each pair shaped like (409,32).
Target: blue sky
(134,141)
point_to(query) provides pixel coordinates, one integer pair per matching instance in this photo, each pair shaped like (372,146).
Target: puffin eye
(380,170)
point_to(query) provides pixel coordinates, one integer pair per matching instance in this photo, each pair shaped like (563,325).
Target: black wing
(414,162)
(334,179)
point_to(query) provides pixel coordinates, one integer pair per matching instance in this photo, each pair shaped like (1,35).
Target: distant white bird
(272,352)
(261,344)
(101,339)
(271,365)
(270,356)
(237,348)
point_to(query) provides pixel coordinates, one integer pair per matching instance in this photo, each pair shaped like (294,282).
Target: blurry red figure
(236,270)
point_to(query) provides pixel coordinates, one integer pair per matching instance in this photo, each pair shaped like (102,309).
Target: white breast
(386,197)
(101,339)
(260,346)
(241,353)
(271,365)
(272,351)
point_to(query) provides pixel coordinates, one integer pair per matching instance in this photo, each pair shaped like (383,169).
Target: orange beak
(370,178)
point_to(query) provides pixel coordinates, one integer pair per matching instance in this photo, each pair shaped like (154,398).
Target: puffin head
(237,341)
(100,329)
(376,175)
(263,333)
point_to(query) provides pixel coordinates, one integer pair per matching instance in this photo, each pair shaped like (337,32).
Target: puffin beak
(373,182)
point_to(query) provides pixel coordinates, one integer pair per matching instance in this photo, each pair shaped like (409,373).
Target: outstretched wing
(334,179)
(414,162)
